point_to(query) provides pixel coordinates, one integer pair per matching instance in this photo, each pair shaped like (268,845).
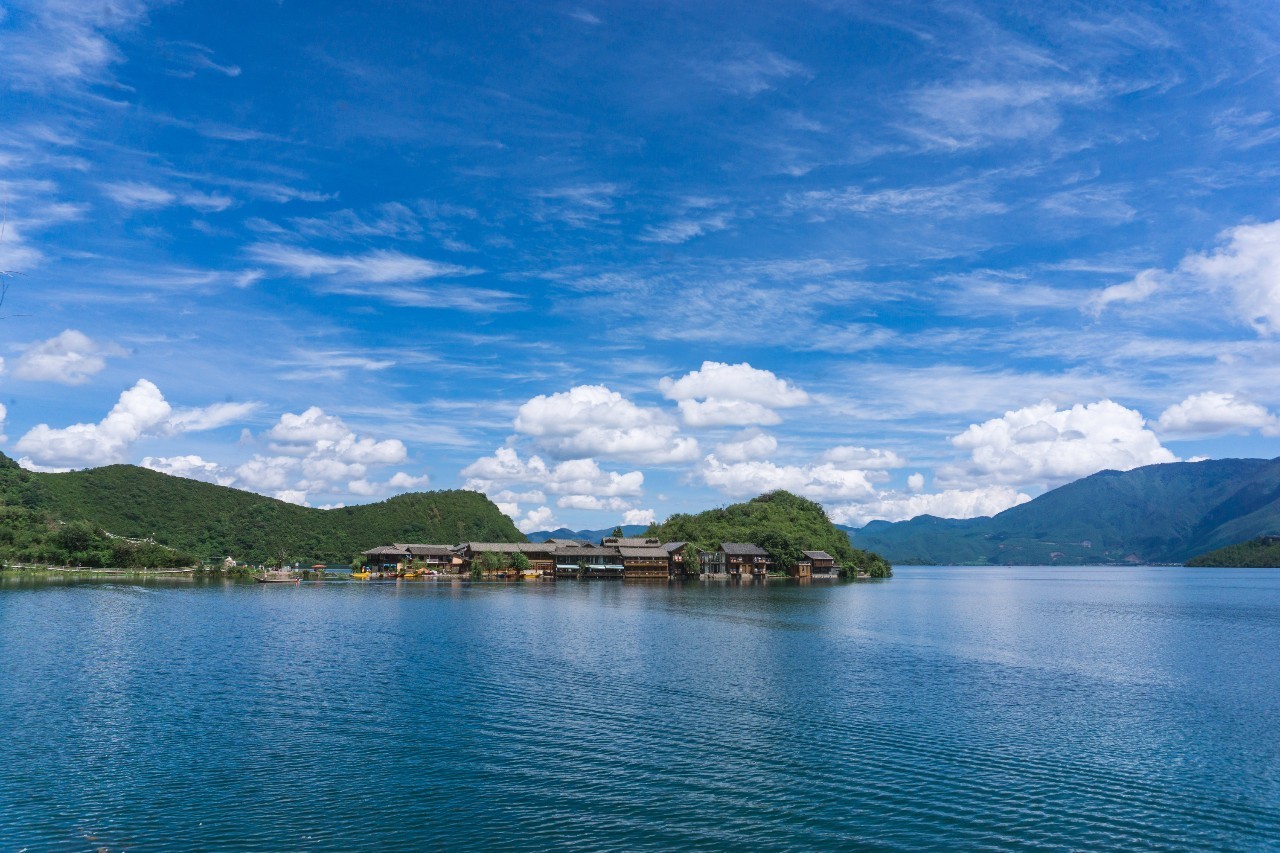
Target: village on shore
(614,557)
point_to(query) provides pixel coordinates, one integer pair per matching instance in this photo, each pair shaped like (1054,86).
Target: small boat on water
(276,576)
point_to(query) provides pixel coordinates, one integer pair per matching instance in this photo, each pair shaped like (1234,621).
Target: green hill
(214,521)
(779,522)
(1260,553)
(1156,514)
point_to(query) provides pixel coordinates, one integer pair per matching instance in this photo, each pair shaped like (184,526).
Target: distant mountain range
(1156,514)
(587,535)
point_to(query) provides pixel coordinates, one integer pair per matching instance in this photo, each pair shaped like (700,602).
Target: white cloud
(752,444)
(60,42)
(210,417)
(70,358)
(719,394)
(541,518)
(824,481)
(916,482)
(1215,413)
(505,468)
(1143,286)
(638,516)
(378,267)
(190,466)
(1042,445)
(4,413)
(1249,267)
(749,70)
(591,420)
(952,503)
(293,496)
(140,410)
(978,112)
(591,502)
(401,480)
(713,413)
(864,458)
(138,195)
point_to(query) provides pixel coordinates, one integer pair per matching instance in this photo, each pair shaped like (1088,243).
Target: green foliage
(617,532)
(214,521)
(489,561)
(1260,553)
(780,522)
(520,562)
(865,563)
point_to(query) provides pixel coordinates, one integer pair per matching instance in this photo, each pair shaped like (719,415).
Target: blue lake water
(980,708)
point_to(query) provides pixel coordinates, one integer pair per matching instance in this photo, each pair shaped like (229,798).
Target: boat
(276,576)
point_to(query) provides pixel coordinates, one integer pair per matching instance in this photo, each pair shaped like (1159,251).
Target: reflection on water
(1089,707)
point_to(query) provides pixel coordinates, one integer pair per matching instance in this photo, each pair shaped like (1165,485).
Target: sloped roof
(510,547)
(672,547)
(429,550)
(632,541)
(818,555)
(385,550)
(584,551)
(651,553)
(743,549)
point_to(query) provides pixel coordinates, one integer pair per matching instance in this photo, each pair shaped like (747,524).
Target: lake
(972,707)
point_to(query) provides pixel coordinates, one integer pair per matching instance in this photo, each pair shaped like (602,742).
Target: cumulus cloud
(719,394)
(864,458)
(825,481)
(1247,265)
(1045,446)
(1215,413)
(505,468)
(69,358)
(591,502)
(140,410)
(402,481)
(951,503)
(540,518)
(591,420)
(638,516)
(191,467)
(750,444)
(916,482)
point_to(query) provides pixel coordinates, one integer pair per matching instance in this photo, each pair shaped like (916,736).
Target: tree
(617,532)
(490,562)
(692,560)
(520,563)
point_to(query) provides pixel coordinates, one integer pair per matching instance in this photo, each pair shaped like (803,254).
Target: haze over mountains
(1156,514)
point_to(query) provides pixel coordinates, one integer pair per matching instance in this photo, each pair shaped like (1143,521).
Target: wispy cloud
(748,69)
(376,267)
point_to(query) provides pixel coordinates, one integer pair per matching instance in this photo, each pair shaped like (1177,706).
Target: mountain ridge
(1164,513)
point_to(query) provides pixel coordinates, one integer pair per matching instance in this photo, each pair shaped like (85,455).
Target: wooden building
(645,562)
(675,558)
(821,564)
(588,561)
(744,559)
(540,555)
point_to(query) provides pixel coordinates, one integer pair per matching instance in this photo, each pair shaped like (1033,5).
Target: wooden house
(631,541)
(821,563)
(589,561)
(675,558)
(393,557)
(540,555)
(745,559)
(646,562)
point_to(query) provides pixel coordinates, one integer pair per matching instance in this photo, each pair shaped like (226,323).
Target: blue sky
(608,262)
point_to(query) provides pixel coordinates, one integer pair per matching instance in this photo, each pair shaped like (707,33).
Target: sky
(605,262)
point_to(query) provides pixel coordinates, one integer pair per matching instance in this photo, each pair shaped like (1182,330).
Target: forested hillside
(1260,553)
(779,522)
(211,521)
